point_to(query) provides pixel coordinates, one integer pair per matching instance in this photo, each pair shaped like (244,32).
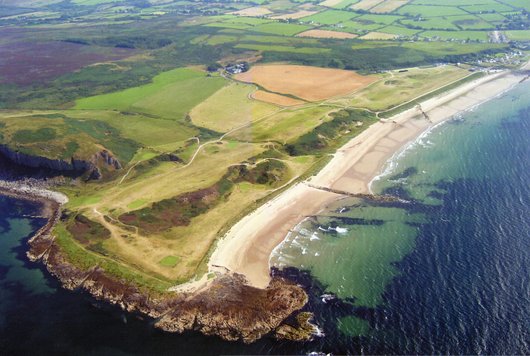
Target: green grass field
(401,87)
(229,108)
(433,23)
(401,31)
(492,18)
(523,35)
(468,22)
(494,6)
(344,4)
(299,50)
(171,95)
(521,4)
(149,131)
(457,35)
(455,2)
(287,125)
(283,29)
(382,19)
(359,25)
(447,48)
(330,17)
(430,10)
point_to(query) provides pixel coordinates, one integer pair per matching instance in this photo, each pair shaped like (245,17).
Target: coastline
(244,302)
(227,308)
(248,245)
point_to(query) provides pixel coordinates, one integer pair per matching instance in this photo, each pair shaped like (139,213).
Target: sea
(442,268)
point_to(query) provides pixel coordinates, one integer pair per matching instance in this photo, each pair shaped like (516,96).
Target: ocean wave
(338,229)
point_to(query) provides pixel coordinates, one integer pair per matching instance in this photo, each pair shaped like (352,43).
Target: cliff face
(90,166)
(227,307)
(232,310)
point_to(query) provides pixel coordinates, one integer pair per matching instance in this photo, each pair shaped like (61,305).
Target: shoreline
(244,302)
(227,307)
(248,245)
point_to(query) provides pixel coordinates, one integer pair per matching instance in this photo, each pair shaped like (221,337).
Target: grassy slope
(57,136)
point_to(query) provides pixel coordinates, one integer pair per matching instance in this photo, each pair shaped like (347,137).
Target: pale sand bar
(247,247)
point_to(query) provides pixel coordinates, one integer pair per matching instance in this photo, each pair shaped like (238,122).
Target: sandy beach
(247,247)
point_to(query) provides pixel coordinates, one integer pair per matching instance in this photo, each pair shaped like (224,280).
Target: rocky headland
(226,307)
(92,166)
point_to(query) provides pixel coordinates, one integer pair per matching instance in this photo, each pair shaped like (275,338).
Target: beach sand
(247,247)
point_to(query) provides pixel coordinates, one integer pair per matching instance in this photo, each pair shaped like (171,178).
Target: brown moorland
(30,62)
(305,82)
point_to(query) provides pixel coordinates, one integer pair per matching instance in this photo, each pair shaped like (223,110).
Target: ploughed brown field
(275,98)
(326,34)
(308,83)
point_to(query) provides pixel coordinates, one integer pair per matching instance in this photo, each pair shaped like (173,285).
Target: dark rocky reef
(90,167)
(303,330)
(226,307)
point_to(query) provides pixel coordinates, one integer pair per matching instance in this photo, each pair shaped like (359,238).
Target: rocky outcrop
(235,311)
(227,307)
(89,166)
(304,330)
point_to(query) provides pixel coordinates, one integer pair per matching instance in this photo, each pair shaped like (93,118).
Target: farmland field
(168,96)
(382,19)
(401,31)
(280,29)
(294,15)
(389,6)
(430,10)
(357,25)
(401,87)
(338,4)
(468,22)
(308,83)
(458,35)
(378,36)
(326,34)
(288,49)
(366,4)
(275,98)
(287,125)
(436,48)
(229,108)
(329,17)
(253,11)
(522,35)
(433,23)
